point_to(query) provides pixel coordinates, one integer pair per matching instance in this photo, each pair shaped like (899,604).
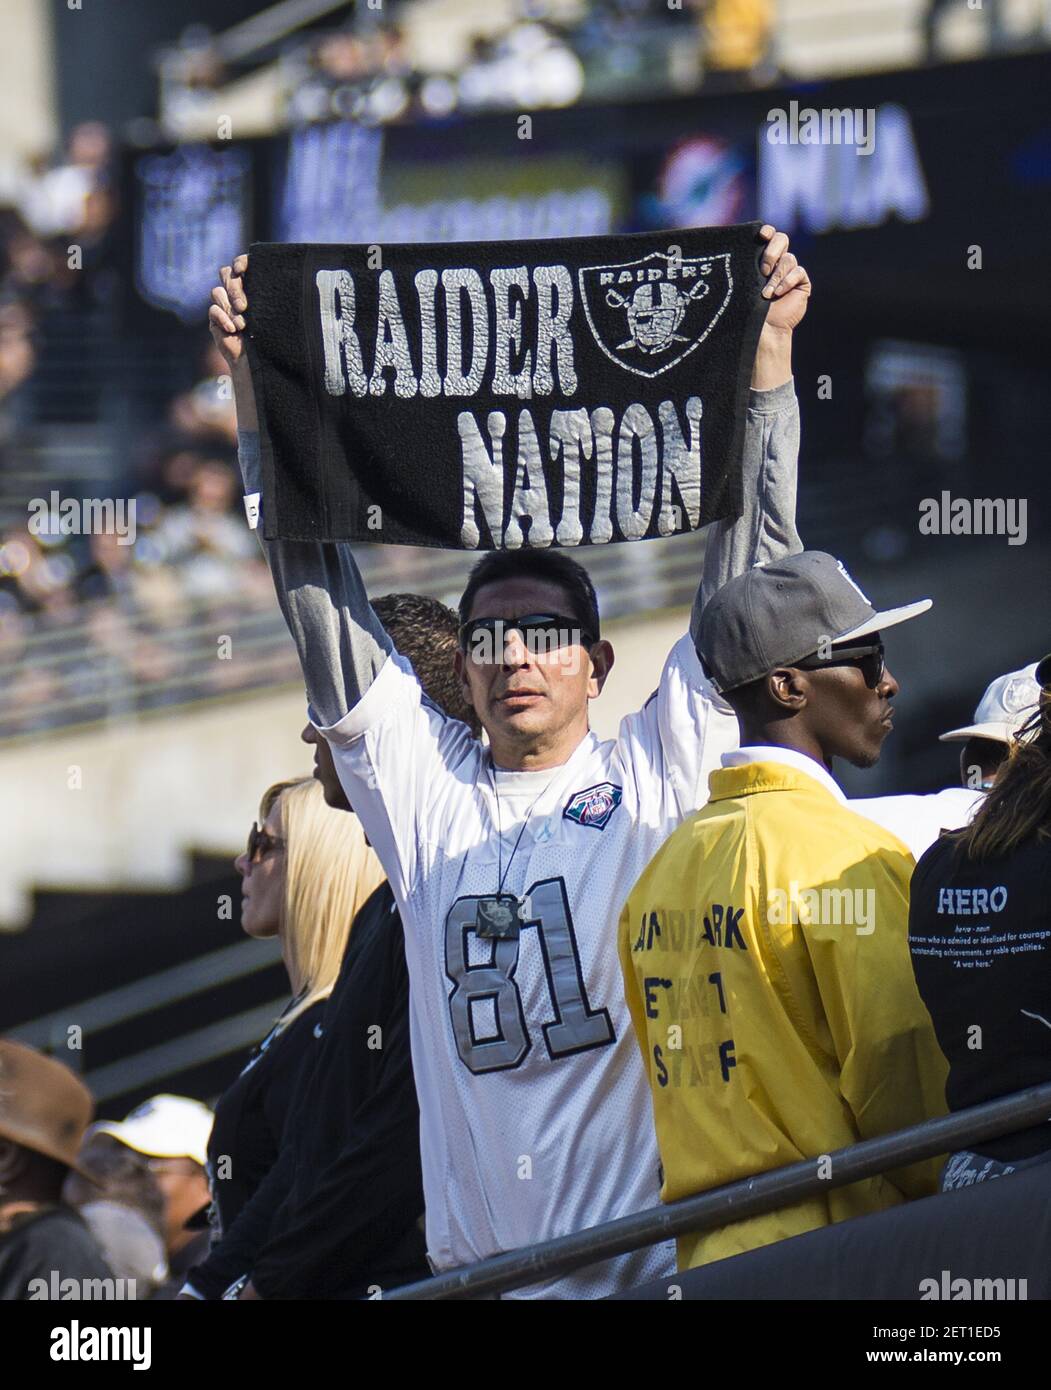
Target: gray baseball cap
(777,614)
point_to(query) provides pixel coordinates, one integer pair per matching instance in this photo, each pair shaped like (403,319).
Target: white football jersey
(535,1112)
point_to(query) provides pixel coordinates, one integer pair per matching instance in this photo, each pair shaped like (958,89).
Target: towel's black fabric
(480,395)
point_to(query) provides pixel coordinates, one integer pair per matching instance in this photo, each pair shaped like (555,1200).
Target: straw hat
(43,1106)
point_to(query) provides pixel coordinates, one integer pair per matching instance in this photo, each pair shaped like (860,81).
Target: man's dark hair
(553,566)
(425,632)
(42,1175)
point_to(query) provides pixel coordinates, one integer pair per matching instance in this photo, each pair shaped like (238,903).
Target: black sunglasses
(869,658)
(483,639)
(261,842)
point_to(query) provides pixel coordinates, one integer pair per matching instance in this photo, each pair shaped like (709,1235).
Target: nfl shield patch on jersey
(594,805)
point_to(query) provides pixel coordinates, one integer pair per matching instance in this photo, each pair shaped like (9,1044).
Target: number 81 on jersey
(574,1026)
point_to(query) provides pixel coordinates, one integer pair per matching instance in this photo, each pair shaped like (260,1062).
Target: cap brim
(115,1129)
(997,730)
(1043,671)
(125,1134)
(890,617)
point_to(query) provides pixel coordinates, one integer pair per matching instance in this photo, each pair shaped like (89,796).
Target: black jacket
(340,1213)
(251,1115)
(51,1241)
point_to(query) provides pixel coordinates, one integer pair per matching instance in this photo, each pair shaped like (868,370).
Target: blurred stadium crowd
(531,55)
(185,549)
(92,625)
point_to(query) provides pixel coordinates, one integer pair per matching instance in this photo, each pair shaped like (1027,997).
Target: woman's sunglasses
(870,659)
(261,843)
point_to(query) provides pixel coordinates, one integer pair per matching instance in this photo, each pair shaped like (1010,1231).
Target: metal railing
(721,1206)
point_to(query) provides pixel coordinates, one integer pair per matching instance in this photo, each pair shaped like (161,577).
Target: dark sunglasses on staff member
(869,658)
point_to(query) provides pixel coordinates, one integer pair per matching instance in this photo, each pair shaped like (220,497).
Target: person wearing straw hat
(44,1111)
(764,948)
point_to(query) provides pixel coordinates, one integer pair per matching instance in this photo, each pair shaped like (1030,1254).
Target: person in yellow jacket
(765,948)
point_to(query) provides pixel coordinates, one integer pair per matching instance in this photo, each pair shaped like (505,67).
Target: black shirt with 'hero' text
(980,938)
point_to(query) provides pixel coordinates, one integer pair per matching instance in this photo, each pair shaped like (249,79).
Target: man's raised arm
(341,643)
(766,528)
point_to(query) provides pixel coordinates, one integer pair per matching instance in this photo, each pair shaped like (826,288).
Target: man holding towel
(510,862)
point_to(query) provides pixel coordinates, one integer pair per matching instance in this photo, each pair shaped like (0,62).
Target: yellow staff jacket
(766,966)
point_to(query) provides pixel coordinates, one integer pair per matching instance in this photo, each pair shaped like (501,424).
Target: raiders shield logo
(647,315)
(594,805)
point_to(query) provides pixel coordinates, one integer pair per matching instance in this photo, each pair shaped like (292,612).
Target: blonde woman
(304,874)
(340,1212)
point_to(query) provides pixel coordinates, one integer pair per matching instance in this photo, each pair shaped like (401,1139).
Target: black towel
(479,395)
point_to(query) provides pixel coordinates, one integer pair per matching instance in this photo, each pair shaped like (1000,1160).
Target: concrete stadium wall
(27,104)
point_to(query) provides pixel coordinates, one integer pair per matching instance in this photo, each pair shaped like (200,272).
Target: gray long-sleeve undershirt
(342,644)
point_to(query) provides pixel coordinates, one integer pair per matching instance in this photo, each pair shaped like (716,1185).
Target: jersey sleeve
(632,996)
(920,820)
(393,749)
(678,737)
(398,755)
